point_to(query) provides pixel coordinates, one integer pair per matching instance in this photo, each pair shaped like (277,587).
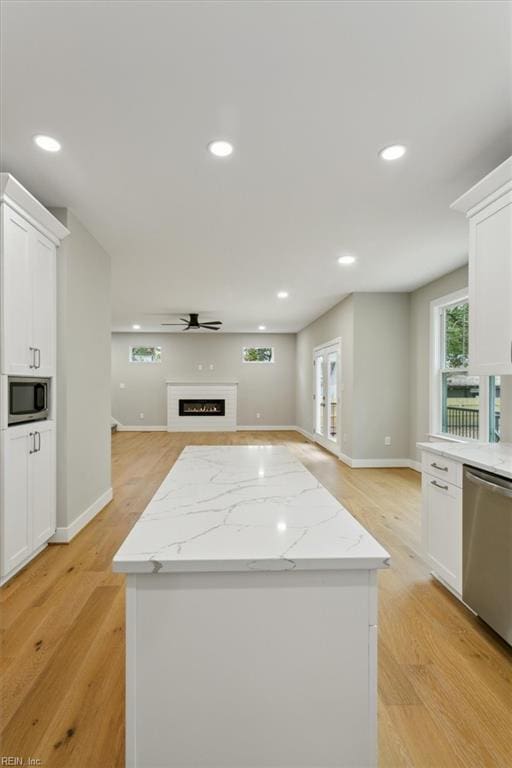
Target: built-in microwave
(28,399)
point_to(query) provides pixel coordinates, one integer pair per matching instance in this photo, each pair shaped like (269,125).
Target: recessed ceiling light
(262,327)
(136,327)
(347,259)
(220,148)
(393,152)
(47,143)
(282,295)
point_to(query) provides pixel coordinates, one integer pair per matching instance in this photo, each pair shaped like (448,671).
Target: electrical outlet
(387,440)
(141,415)
(212,366)
(122,385)
(199,366)
(258,415)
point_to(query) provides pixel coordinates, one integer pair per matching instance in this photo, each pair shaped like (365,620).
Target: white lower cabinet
(442,529)
(27,497)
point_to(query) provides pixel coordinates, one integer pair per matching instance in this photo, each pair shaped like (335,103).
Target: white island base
(267,670)
(251,619)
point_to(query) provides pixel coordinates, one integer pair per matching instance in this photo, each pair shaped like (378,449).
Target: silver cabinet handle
(438,485)
(38,435)
(33,351)
(438,466)
(33,449)
(38,352)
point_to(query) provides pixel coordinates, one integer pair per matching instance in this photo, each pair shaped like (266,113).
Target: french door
(326,395)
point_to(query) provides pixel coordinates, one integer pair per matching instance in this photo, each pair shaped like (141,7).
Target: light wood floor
(445,680)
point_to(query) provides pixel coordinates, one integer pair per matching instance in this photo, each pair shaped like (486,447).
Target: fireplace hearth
(202,407)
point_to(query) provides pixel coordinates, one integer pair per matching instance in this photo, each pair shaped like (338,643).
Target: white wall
(381,376)
(375,400)
(267,389)
(83,372)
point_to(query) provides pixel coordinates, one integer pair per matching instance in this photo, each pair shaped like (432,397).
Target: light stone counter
(237,508)
(493,457)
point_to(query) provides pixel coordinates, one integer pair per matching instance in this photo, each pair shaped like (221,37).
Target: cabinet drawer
(448,470)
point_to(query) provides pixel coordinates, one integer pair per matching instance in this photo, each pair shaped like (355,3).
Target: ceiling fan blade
(185,319)
(187,328)
(210,327)
(213,322)
(180,324)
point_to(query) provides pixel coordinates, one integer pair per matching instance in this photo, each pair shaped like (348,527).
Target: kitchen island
(251,619)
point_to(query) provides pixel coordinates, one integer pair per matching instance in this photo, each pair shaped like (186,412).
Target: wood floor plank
(445,679)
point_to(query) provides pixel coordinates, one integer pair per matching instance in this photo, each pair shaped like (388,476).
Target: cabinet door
(15,502)
(16,294)
(442,529)
(490,286)
(42,483)
(43,268)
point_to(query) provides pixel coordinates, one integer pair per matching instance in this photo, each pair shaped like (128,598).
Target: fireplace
(202,407)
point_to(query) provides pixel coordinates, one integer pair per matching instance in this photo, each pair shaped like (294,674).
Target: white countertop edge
(270,565)
(485,456)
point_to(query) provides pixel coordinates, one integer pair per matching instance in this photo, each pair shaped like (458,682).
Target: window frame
(131,347)
(437,308)
(259,362)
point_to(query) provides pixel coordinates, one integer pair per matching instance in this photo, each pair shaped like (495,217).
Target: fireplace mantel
(200,383)
(197,390)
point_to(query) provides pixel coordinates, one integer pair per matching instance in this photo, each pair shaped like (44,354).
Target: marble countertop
(493,457)
(245,508)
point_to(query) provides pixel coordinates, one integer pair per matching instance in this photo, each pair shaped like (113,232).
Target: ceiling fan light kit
(193,323)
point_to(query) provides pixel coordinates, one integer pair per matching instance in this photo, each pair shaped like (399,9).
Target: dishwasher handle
(504,487)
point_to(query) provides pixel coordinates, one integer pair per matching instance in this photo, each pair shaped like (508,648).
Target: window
(464,407)
(258,354)
(145,354)
(494,408)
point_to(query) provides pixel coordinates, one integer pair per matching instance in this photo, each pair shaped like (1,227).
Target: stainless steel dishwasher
(487,548)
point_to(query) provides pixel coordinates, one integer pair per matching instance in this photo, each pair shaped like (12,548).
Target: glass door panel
(332,396)
(319,395)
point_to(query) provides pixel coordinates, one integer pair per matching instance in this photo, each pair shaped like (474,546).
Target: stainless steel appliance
(487,548)
(28,399)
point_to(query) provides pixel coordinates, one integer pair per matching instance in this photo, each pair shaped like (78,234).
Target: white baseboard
(379,463)
(63,535)
(416,465)
(265,428)
(309,435)
(346,459)
(138,428)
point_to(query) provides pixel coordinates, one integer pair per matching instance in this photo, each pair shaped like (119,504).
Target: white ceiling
(308,92)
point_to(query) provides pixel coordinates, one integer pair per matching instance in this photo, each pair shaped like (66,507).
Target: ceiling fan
(193,323)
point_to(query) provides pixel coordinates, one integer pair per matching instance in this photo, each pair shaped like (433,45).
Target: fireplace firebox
(202,407)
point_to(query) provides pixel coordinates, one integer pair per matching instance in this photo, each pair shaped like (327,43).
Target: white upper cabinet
(488,206)
(16,301)
(44,303)
(30,235)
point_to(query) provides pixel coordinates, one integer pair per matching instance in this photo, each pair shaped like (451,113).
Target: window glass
(258,354)
(494,408)
(455,342)
(460,393)
(145,354)
(460,404)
